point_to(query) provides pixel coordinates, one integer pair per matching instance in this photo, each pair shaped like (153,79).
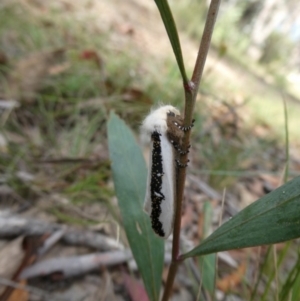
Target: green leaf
(273,218)
(130,176)
(170,26)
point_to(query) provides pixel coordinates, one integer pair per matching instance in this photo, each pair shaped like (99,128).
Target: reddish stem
(191,89)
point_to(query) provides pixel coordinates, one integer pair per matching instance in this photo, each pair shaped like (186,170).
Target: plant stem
(170,280)
(205,43)
(191,90)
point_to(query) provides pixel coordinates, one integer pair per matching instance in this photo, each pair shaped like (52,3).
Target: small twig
(220,222)
(51,241)
(9,104)
(76,265)
(199,290)
(205,188)
(15,225)
(67,160)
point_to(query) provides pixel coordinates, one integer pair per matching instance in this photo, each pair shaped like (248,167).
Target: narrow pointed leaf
(272,219)
(171,29)
(129,174)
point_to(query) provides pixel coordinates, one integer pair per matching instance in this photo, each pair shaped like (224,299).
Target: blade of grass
(291,283)
(264,264)
(287,143)
(130,177)
(207,263)
(296,287)
(272,274)
(276,273)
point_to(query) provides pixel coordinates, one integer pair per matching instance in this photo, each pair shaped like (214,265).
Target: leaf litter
(30,136)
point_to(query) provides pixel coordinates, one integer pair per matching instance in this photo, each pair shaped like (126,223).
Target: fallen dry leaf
(19,294)
(29,246)
(230,281)
(132,94)
(11,257)
(92,55)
